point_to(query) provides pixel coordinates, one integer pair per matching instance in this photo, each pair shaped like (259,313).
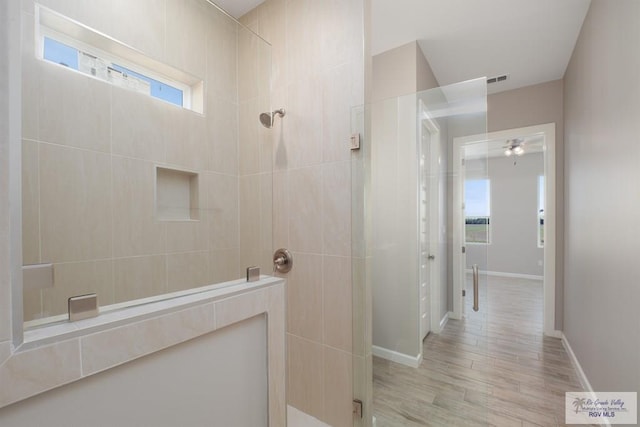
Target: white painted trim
(549,288)
(513,275)
(444,320)
(584,381)
(582,377)
(554,334)
(394,356)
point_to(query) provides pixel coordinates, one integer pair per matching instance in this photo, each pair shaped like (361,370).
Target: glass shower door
(411,271)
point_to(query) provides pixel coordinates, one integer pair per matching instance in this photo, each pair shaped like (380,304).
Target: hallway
(491,369)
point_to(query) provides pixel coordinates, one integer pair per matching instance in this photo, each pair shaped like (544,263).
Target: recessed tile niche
(176,195)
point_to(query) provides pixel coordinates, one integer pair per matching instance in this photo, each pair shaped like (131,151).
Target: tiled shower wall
(90,150)
(317,48)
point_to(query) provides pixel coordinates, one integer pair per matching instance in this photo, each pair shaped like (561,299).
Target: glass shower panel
(410,271)
(127,195)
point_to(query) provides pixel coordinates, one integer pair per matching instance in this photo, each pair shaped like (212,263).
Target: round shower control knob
(282,260)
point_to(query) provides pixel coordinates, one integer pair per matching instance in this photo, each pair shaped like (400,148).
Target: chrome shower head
(267,118)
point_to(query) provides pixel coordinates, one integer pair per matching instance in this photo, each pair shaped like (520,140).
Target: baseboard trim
(444,320)
(554,334)
(584,381)
(512,275)
(394,356)
(582,377)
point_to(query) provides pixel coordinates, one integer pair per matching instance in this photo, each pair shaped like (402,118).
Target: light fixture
(514,146)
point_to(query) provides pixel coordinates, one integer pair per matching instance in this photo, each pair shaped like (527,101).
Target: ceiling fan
(514,146)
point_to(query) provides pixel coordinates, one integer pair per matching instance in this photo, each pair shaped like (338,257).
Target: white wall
(394,188)
(602,111)
(513,246)
(217,379)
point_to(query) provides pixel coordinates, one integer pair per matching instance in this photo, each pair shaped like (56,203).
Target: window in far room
(477,195)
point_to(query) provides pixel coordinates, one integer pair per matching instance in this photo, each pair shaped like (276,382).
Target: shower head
(267,118)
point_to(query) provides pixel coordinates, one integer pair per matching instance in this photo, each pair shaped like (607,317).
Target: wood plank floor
(494,368)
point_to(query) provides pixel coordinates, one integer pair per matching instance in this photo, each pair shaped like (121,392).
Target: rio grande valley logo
(597,407)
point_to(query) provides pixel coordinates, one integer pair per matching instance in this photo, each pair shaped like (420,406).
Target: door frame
(548,130)
(435,177)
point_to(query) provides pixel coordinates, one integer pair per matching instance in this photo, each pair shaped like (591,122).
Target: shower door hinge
(464,249)
(464,293)
(355,141)
(357,408)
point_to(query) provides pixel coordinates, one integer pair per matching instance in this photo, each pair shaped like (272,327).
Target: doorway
(536,139)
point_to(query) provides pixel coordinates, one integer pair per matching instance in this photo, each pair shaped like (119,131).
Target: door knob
(431,257)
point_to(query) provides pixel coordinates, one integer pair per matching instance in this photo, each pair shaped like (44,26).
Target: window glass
(477,193)
(118,75)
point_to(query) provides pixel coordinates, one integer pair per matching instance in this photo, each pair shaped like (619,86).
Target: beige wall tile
(99,14)
(30,79)
(75,199)
(249,141)
(336,193)
(222,134)
(222,55)
(266,221)
(250,220)
(304,297)
(137,125)
(305,370)
(5,351)
(187,27)
(303,38)
(280,142)
(338,384)
(281,209)
(113,347)
(73,279)
(141,24)
(234,309)
(341,31)
(360,341)
(187,270)
(30,203)
(272,27)
(33,371)
(278,356)
(184,236)
(305,209)
(136,228)
(222,210)
(338,99)
(139,277)
(74,109)
(337,302)
(186,139)
(224,265)
(304,122)
(248,74)
(31,305)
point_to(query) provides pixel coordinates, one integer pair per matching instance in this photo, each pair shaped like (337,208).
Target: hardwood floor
(494,368)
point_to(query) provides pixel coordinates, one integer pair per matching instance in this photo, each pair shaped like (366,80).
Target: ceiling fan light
(518,150)
(508,152)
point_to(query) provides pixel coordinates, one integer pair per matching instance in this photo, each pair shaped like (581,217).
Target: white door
(423,215)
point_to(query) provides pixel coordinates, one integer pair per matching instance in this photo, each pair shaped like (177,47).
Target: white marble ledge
(60,354)
(124,313)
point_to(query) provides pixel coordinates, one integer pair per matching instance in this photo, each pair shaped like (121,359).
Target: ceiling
(237,8)
(530,40)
